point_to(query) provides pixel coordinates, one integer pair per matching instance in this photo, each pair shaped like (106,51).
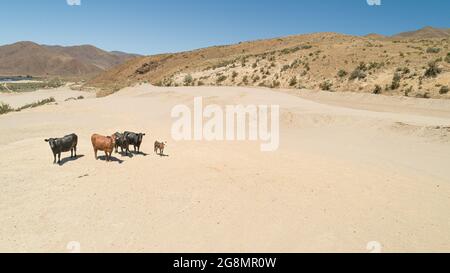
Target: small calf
(160,146)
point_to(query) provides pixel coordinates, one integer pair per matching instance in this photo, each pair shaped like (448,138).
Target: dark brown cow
(105,144)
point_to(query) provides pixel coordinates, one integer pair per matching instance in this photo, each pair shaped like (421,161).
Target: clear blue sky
(157,26)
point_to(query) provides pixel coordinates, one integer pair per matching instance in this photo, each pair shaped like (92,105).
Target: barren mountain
(28,58)
(326,61)
(425,33)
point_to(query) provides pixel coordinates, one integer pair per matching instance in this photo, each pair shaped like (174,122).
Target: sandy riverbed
(350,169)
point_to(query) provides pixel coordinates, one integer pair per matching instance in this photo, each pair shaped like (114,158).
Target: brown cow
(105,144)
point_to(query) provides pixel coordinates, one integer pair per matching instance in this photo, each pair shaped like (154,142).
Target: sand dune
(351,169)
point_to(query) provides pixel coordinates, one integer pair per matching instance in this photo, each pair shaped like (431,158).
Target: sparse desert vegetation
(6,108)
(31,86)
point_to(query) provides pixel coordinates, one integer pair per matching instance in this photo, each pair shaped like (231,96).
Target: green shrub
(221,79)
(275,84)
(326,86)
(5,108)
(245,80)
(358,73)
(433,50)
(293,81)
(444,90)
(285,67)
(377,89)
(433,70)
(188,80)
(396,81)
(404,70)
(447,58)
(342,73)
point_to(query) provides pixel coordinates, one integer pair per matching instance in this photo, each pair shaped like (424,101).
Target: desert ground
(351,169)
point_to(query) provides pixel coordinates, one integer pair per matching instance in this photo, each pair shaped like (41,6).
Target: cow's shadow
(111,159)
(124,154)
(69,159)
(162,155)
(138,153)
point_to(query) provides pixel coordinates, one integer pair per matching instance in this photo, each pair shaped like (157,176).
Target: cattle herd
(107,144)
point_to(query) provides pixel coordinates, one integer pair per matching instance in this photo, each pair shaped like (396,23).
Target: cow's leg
(59,158)
(107,156)
(71,153)
(95,152)
(75,150)
(54,158)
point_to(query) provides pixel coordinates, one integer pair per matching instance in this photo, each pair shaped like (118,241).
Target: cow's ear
(47,140)
(143,134)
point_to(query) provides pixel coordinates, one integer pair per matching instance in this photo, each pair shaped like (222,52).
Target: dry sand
(351,169)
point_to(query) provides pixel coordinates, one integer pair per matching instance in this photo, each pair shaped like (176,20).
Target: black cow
(122,142)
(135,140)
(62,145)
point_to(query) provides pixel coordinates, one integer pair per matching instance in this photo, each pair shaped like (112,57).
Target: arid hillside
(28,58)
(399,65)
(425,33)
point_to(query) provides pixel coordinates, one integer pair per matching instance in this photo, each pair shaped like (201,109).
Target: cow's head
(51,142)
(114,139)
(140,137)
